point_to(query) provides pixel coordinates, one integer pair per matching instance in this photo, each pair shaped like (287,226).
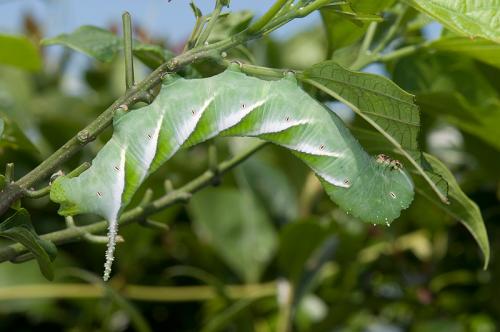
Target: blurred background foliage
(265,245)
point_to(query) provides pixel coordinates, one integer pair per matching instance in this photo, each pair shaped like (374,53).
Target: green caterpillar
(187,112)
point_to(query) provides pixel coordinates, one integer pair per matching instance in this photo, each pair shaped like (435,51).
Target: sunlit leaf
(472,18)
(104,45)
(479,49)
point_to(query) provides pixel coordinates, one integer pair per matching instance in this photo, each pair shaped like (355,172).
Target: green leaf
(230,24)
(341,31)
(151,55)
(385,106)
(19,51)
(103,45)
(480,121)
(345,24)
(304,249)
(272,187)
(93,41)
(2,125)
(237,227)
(298,241)
(480,49)
(461,207)
(13,138)
(438,81)
(18,228)
(472,18)
(370,6)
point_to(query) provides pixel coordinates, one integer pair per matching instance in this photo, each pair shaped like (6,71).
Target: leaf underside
(472,18)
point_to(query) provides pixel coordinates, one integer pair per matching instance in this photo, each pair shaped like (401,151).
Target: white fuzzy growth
(110,251)
(113,215)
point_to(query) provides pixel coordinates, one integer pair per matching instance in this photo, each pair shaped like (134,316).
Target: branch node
(173,64)
(83,136)
(169,187)
(146,199)
(123,107)
(9,173)
(184,197)
(146,97)
(54,176)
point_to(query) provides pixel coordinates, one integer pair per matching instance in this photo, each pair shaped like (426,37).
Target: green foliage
(242,225)
(19,51)
(479,49)
(263,249)
(461,207)
(104,46)
(18,228)
(477,18)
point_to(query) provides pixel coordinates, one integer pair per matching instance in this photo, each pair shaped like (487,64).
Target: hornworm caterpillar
(187,112)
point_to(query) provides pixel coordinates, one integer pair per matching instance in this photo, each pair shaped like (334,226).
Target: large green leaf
(233,104)
(230,24)
(454,108)
(340,30)
(461,207)
(472,18)
(479,49)
(104,45)
(385,106)
(272,187)
(237,227)
(438,82)
(18,228)
(20,52)
(298,241)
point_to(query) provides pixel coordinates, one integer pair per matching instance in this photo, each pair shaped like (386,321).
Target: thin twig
(213,19)
(46,190)
(9,172)
(127,49)
(136,292)
(267,17)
